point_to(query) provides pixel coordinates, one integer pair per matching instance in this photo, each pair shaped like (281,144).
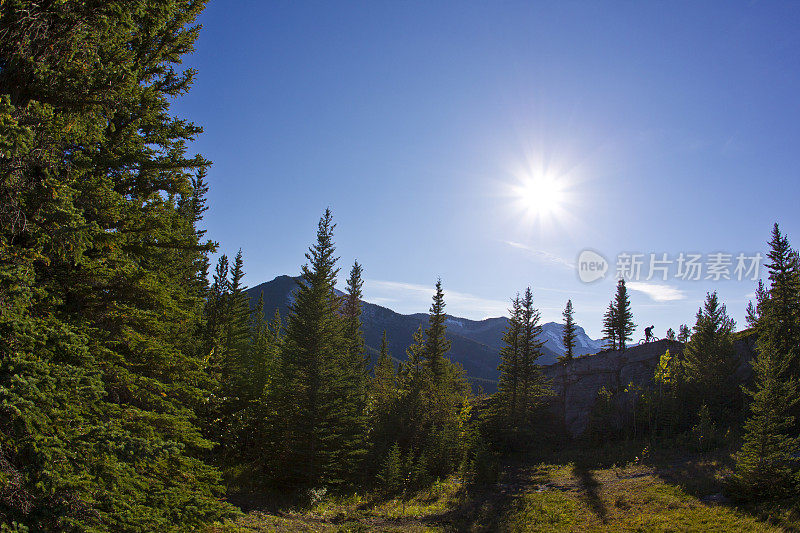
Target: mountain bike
(653,338)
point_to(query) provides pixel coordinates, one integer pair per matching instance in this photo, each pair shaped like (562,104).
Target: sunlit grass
(625,493)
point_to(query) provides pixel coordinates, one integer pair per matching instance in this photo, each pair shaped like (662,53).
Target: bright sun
(541,196)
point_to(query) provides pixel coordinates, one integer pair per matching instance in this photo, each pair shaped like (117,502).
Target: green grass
(624,487)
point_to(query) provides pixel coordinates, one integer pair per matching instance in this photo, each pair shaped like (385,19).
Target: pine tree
(568,337)
(684,333)
(384,386)
(353,410)
(383,397)
(433,395)
(415,360)
(236,334)
(313,394)
(101,270)
(670,334)
(710,361)
(510,364)
(436,343)
(533,385)
(357,358)
(609,327)
(782,304)
(766,465)
(623,317)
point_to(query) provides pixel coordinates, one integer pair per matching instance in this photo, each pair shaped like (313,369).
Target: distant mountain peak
(474,343)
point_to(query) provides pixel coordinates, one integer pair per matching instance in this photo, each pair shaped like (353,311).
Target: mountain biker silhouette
(648,334)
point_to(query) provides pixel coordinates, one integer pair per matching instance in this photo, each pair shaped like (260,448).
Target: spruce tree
(684,333)
(436,343)
(766,466)
(532,382)
(313,393)
(782,328)
(510,364)
(609,327)
(354,382)
(710,362)
(568,336)
(101,270)
(384,387)
(623,317)
(383,394)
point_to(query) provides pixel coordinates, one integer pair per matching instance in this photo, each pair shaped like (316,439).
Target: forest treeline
(137,386)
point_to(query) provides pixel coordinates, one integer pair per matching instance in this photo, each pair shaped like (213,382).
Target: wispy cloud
(658,291)
(417,298)
(541,255)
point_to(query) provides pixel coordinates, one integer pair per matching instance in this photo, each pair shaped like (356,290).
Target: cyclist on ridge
(648,334)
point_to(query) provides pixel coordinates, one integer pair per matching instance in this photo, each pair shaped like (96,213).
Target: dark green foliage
(516,408)
(710,363)
(390,477)
(767,466)
(622,316)
(780,307)
(609,327)
(101,270)
(532,382)
(436,343)
(353,367)
(684,333)
(318,418)
(426,414)
(569,332)
(508,394)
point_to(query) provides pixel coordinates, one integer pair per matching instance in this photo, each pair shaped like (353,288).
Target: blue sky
(668,127)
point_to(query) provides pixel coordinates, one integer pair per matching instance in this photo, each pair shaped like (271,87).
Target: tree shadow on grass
(590,486)
(483,507)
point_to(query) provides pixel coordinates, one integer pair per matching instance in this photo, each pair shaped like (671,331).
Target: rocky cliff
(576,384)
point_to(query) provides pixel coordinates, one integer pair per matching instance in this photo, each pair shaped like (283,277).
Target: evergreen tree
(670,334)
(568,337)
(510,364)
(432,400)
(382,404)
(354,382)
(384,386)
(101,270)
(533,386)
(436,343)
(766,466)
(684,333)
(710,361)
(312,393)
(609,326)
(782,304)
(415,360)
(623,317)
(264,345)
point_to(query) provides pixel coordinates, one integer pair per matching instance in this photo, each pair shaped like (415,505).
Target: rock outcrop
(576,384)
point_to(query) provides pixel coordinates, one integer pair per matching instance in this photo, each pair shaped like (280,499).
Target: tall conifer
(436,343)
(623,316)
(568,337)
(101,267)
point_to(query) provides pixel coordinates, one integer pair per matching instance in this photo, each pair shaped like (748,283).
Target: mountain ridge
(475,344)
